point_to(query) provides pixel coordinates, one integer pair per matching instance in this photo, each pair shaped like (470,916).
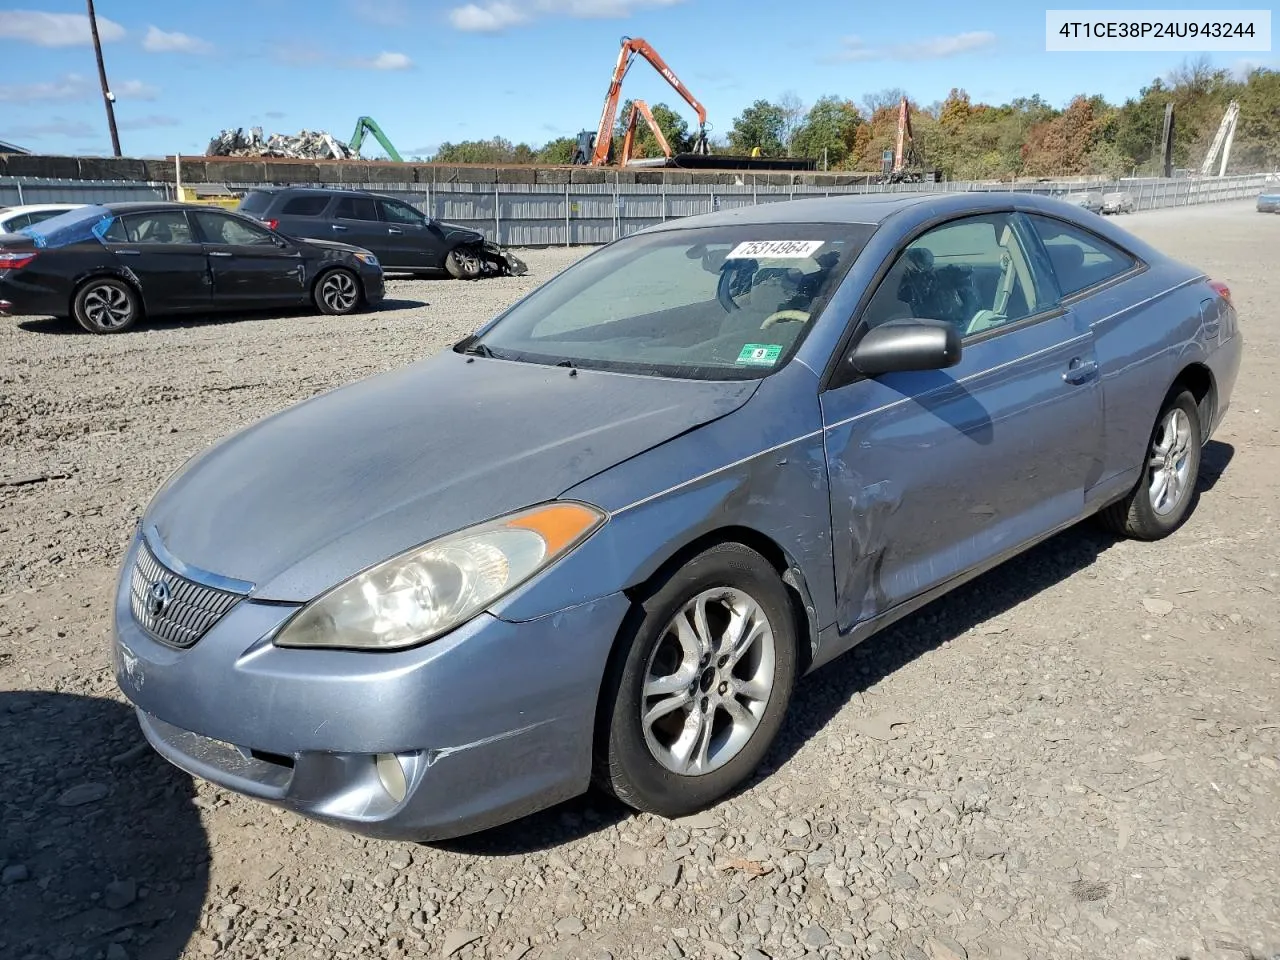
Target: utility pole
(108,98)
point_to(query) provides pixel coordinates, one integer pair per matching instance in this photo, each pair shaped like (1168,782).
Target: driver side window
(973,273)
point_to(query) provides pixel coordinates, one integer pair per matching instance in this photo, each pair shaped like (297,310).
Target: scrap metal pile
(306,145)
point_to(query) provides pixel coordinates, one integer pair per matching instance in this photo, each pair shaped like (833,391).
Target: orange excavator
(593,148)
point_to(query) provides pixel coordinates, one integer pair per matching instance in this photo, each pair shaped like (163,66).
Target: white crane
(1222,141)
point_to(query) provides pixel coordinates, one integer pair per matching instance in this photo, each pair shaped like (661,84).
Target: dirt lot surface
(1077,755)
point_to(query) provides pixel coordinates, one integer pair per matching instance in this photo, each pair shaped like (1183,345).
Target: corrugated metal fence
(532,215)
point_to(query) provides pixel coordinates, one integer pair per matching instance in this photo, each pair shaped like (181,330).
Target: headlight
(431,589)
(368,258)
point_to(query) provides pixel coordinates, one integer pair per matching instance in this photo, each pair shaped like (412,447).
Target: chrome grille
(187,613)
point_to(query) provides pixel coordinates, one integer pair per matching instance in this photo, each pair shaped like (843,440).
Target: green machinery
(367,125)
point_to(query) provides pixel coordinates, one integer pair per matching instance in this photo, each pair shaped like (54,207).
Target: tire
(646,766)
(1155,508)
(106,305)
(463,264)
(337,292)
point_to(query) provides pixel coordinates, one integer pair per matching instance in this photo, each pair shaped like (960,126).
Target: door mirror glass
(902,345)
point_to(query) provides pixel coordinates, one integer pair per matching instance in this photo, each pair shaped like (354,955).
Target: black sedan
(109,265)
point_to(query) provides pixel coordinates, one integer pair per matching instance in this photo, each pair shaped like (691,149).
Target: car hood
(457,232)
(318,492)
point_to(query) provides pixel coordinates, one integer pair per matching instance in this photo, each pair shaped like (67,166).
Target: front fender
(761,469)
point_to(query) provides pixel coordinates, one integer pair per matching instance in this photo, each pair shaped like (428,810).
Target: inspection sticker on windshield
(760,354)
(776,249)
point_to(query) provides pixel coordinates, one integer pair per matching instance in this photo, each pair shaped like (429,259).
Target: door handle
(394,230)
(336,226)
(129,253)
(219,253)
(1080,370)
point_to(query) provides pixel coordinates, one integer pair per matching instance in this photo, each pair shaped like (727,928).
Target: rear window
(70,227)
(356,208)
(304,206)
(255,202)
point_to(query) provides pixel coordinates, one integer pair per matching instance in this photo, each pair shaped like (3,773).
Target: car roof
(39,208)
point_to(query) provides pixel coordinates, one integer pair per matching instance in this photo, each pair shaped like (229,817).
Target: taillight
(1221,289)
(272,224)
(12,261)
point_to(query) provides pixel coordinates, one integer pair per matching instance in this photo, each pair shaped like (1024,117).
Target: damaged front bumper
(484,725)
(508,263)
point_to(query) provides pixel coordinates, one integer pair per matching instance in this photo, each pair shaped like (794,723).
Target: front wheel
(700,684)
(106,305)
(463,264)
(1163,496)
(337,293)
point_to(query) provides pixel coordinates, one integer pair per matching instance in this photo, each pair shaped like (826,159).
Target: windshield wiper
(477,349)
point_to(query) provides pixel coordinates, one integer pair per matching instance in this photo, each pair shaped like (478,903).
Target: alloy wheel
(1169,464)
(708,682)
(339,292)
(107,307)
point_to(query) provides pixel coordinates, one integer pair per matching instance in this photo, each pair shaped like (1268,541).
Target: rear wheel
(106,305)
(337,293)
(1162,499)
(463,264)
(699,686)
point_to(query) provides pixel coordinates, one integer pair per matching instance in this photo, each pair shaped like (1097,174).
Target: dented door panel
(935,472)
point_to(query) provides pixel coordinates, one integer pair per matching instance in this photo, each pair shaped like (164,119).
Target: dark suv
(403,238)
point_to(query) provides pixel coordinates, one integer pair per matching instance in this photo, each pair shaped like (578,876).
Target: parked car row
(1095,201)
(108,265)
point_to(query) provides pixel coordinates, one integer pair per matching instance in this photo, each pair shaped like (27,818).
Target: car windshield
(70,227)
(700,302)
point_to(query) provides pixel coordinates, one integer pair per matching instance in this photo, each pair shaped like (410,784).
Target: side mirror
(902,345)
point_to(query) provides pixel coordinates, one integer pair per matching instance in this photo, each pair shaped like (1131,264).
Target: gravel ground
(1078,755)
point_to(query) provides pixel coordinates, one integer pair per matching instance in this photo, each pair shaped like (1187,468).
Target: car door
(249,263)
(934,473)
(1131,368)
(355,220)
(410,241)
(161,250)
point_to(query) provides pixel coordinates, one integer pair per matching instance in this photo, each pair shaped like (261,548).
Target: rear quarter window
(255,202)
(304,206)
(1080,259)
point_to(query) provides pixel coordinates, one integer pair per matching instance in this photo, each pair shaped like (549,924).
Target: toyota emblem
(158,598)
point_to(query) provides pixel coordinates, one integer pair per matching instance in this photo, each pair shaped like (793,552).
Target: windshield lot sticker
(775,249)
(760,354)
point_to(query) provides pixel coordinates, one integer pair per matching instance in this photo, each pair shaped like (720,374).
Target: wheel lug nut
(723,687)
(705,701)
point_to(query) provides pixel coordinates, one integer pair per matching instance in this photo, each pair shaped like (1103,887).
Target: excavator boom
(641,109)
(631,46)
(369,125)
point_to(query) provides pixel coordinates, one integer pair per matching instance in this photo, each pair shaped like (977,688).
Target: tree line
(1026,137)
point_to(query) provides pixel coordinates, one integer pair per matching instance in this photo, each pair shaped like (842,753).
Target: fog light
(391,776)
(5,306)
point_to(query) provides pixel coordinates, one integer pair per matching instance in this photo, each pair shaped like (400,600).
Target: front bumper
(374,284)
(487,724)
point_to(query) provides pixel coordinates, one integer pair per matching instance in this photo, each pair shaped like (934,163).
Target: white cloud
(854,49)
(159,41)
(135,90)
(56,127)
(72,86)
(385,61)
(149,122)
(490,18)
(494,16)
(55,29)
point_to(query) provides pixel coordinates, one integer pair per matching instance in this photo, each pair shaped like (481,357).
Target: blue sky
(445,70)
